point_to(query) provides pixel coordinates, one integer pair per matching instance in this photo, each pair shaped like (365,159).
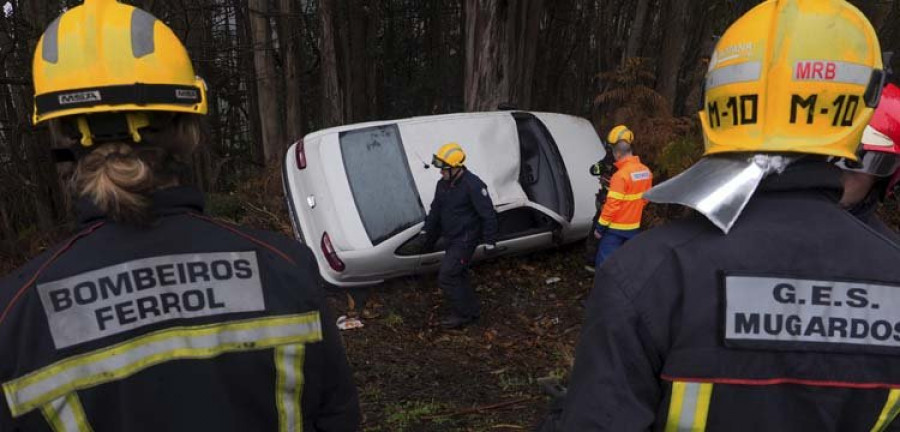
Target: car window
(382,186)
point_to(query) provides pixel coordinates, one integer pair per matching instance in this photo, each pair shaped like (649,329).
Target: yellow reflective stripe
(289,387)
(702,412)
(622,197)
(603,222)
(619,226)
(889,412)
(125,359)
(689,407)
(675,406)
(66,414)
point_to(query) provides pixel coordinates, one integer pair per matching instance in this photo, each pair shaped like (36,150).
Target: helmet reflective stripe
(451,152)
(50,50)
(142,25)
(832,71)
(743,72)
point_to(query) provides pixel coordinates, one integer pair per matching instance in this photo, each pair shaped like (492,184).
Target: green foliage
(401,416)
(678,156)
(516,383)
(225,206)
(393,320)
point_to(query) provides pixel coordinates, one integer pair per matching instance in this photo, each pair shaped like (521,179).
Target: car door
(523,228)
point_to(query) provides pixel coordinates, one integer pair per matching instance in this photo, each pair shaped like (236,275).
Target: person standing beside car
(620,219)
(602,170)
(155,317)
(463,214)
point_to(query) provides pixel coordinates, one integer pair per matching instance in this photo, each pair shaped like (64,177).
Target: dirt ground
(414,376)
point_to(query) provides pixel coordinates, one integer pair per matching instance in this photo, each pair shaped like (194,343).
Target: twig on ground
(481,408)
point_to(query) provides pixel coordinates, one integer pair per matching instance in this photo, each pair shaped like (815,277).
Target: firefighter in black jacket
(154,317)
(463,214)
(787,319)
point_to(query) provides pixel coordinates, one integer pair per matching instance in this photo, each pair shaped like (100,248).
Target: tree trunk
(672,49)
(501,39)
(273,141)
(332,98)
(289,36)
(45,188)
(637,30)
(245,59)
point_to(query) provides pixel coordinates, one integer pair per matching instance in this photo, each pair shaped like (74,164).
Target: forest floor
(415,376)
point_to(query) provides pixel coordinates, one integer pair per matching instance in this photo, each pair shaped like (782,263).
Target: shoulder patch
(791,313)
(137,293)
(484,191)
(640,175)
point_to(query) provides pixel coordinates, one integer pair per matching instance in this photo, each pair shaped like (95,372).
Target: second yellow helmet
(450,155)
(798,76)
(620,133)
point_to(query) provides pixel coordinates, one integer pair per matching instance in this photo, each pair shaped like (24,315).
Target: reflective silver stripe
(741,72)
(142,24)
(686,421)
(832,71)
(452,151)
(66,415)
(289,387)
(119,361)
(50,49)
(688,406)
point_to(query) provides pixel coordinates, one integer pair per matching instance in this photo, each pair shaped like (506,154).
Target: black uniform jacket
(462,212)
(187,325)
(791,322)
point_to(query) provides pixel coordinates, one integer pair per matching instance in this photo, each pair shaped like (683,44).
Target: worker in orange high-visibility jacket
(620,219)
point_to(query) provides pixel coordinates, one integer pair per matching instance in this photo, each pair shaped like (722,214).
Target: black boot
(454,321)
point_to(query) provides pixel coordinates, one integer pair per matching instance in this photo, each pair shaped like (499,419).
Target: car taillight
(300,154)
(330,254)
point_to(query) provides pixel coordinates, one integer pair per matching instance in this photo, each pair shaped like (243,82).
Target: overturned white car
(358,194)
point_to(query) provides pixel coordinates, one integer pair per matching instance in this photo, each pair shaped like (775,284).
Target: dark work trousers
(454,280)
(612,239)
(591,242)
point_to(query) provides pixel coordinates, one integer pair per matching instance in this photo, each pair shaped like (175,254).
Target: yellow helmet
(450,155)
(793,76)
(104,57)
(620,133)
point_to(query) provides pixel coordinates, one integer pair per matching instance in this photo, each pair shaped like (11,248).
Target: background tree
(278,69)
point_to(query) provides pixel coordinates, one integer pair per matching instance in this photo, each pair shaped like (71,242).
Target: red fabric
(886,120)
(777,381)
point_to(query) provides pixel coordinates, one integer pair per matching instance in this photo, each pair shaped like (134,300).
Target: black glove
(428,242)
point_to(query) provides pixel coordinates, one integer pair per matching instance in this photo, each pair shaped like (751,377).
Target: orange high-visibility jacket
(625,202)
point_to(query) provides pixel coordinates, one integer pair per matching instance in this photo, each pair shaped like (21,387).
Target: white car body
(389,166)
